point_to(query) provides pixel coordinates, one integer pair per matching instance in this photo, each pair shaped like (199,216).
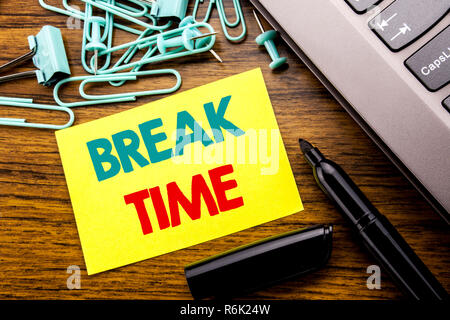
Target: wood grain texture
(38,235)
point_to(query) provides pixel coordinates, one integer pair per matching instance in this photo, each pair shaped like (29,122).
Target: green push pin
(186,40)
(200,42)
(95,44)
(266,38)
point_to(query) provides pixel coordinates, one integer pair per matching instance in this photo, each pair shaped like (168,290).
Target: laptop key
(431,63)
(446,103)
(404,21)
(361,6)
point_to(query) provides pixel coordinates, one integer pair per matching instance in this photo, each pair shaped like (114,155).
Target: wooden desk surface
(38,235)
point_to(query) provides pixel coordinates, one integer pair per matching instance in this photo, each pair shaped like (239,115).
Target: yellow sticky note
(173,173)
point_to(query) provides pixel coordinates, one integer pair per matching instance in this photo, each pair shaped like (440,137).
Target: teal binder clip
(170,9)
(118,97)
(48,55)
(28,103)
(223,18)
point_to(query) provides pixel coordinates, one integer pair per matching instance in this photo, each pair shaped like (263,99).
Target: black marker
(377,233)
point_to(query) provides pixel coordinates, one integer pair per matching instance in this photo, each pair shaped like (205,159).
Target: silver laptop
(388,64)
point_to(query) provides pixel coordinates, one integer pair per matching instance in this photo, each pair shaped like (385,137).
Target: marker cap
(260,264)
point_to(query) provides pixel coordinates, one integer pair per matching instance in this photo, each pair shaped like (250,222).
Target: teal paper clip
(131,76)
(118,11)
(74,13)
(143,13)
(93,41)
(170,9)
(68,11)
(134,12)
(28,103)
(118,97)
(152,41)
(126,58)
(223,17)
(48,55)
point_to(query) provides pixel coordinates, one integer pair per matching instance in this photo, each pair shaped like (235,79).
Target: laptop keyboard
(405,21)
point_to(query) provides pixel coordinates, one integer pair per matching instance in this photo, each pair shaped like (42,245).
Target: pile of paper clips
(178,37)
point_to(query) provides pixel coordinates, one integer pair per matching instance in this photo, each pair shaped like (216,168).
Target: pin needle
(95,61)
(212,51)
(216,55)
(204,35)
(259,22)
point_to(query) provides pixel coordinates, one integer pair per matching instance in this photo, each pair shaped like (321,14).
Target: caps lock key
(431,63)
